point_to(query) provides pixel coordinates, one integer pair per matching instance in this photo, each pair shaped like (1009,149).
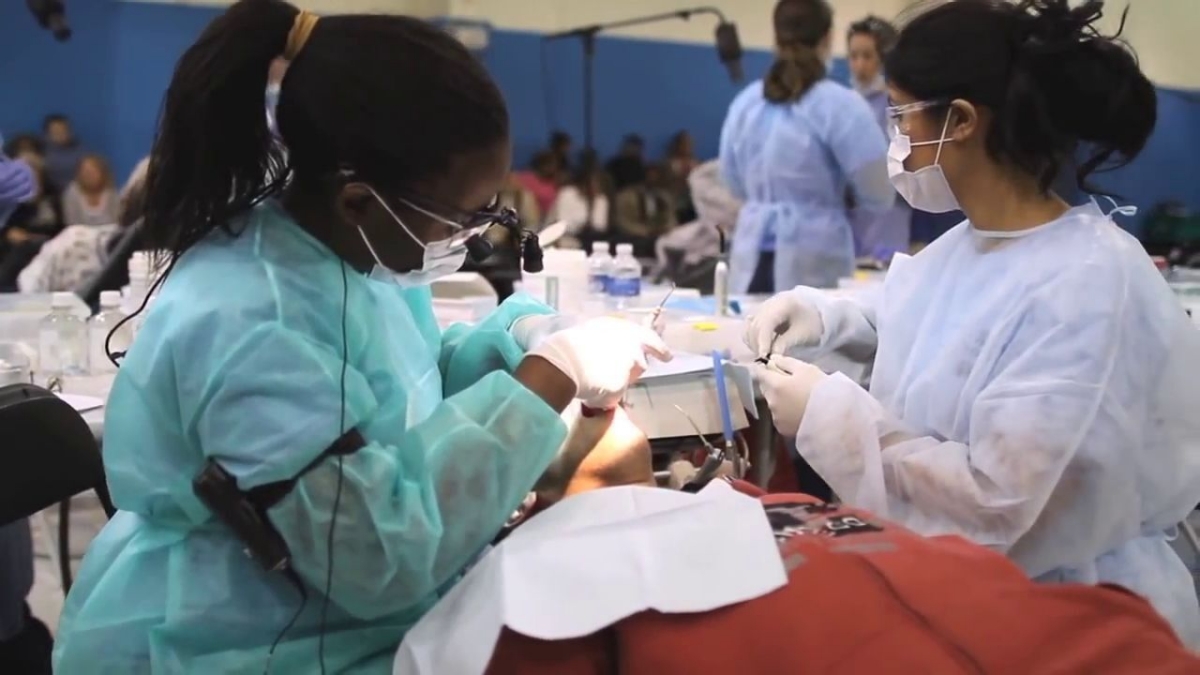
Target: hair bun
(1051,26)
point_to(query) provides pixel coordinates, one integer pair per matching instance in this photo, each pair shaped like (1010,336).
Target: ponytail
(795,70)
(213,156)
(800,26)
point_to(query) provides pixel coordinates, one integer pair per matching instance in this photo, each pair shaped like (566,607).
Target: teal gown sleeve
(410,513)
(471,351)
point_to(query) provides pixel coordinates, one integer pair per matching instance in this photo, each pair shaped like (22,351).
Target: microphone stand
(587,38)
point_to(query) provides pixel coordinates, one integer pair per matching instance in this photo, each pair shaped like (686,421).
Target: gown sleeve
(409,516)
(1050,408)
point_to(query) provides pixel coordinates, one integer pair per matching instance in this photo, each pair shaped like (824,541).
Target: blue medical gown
(791,164)
(1036,395)
(877,235)
(240,360)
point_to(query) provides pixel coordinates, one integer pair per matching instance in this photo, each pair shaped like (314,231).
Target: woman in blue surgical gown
(791,146)
(297,310)
(1035,380)
(876,236)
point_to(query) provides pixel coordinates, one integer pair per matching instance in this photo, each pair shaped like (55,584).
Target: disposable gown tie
(240,360)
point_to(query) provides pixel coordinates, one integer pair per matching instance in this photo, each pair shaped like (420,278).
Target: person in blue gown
(791,147)
(294,339)
(876,236)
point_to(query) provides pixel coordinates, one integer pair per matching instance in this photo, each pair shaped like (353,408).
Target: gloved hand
(602,357)
(787,384)
(796,321)
(529,331)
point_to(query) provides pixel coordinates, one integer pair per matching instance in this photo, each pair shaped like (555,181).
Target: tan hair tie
(302,28)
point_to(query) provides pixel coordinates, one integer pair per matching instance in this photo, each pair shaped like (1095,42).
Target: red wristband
(594,412)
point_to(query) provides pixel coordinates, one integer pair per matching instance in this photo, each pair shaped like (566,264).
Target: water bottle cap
(62,300)
(110,298)
(624,248)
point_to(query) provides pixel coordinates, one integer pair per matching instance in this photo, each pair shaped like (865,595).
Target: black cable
(64,543)
(114,357)
(337,495)
(295,579)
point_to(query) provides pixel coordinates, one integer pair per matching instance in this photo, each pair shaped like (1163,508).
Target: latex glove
(602,357)
(529,331)
(787,384)
(804,326)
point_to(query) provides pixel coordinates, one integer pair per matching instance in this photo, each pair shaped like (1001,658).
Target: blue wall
(111,76)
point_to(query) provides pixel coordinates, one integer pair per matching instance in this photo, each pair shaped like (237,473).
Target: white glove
(529,331)
(602,357)
(787,384)
(766,333)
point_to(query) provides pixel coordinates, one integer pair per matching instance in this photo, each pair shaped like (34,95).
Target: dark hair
(544,159)
(882,32)
(800,25)
(1053,84)
(24,143)
(54,118)
(392,98)
(676,144)
(559,138)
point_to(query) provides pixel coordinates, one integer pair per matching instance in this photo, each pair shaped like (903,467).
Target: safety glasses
(463,224)
(466,224)
(895,112)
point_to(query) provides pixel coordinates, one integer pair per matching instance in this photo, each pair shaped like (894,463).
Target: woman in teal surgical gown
(295,309)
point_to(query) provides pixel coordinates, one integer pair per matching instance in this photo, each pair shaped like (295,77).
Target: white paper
(682,363)
(82,404)
(593,560)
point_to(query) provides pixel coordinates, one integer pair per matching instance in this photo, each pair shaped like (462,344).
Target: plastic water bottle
(62,340)
(625,280)
(99,328)
(599,266)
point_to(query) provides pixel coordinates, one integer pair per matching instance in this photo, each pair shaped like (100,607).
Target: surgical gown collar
(1090,210)
(281,223)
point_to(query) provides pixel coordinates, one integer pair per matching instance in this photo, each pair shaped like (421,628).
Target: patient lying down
(858,595)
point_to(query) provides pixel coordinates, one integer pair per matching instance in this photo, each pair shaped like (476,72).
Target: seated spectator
(541,179)
(91,199)
(24,144)
(680,162)
(516,197)
(31,224)
(572,203)
(644,212)
(629,166)
(560,147)
(700,240)
(77,254)
(63,151)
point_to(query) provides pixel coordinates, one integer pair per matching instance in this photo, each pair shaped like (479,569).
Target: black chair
(51,457)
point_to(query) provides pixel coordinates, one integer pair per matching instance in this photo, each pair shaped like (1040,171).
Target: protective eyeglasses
(467,224)
(896,112)
(463,224)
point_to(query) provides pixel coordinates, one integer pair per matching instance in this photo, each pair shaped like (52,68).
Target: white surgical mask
(924,189)
(439,258)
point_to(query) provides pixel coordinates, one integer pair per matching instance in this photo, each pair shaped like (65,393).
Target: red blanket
(866,596)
